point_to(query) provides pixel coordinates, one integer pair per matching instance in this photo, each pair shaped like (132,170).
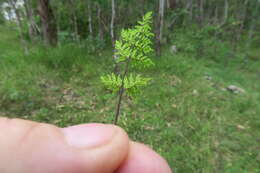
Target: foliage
(132,84)
(2,19)
(132,49)
(201,44)
(189,120)
(94,45)
(135,44)
(192,121)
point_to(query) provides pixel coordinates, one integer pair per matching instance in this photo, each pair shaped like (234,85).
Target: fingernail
(88,135)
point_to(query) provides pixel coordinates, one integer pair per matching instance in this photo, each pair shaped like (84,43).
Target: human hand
(30,147)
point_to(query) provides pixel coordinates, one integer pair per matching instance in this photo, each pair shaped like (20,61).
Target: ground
(185,114)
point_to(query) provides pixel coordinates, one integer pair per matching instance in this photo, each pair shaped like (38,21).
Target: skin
(30,147)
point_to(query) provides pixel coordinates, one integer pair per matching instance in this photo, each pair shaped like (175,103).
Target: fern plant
(132,50)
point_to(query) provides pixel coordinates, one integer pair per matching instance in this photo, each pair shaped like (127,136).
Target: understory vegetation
(187,114)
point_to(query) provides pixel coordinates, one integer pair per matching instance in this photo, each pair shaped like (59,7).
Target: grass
(188,119)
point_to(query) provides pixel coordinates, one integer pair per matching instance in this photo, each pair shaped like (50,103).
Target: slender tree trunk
(189,8)
(168,4)
(113,22)
(201,12)
(252,26)
(172,4)
(226,8)
(74,20)
(112,33)
(48,23)
(216,15)
(242,18)
(90,28)
(20,26)
(159,33)
(32,28)
(142,4)
(57,16)
(9,13)
(100,25)
(58,28)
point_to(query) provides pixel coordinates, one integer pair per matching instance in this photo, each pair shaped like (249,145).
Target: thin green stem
(121,92)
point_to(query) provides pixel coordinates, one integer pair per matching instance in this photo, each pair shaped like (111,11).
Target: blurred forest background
(202,109)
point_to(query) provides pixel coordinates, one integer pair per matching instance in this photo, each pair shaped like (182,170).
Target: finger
(142,159)
(29,147)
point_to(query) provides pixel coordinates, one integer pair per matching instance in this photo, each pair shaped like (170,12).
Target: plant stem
(121,92)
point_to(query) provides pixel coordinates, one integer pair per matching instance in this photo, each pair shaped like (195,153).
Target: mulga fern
(132,50)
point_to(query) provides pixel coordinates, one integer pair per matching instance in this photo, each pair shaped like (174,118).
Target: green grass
(189,120)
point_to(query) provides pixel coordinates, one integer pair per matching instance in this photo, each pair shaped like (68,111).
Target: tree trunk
(100,25)
(216,15)
(20,26)
(112,23)
(48,23)
(242,18)
(142,4)
(252,26)
(32,28)
(57,16)
(112,34)
(90,28)
(201,12)
(226,8)
(189,8)
(159,33)
(9,13)
(172,4)
(74,20)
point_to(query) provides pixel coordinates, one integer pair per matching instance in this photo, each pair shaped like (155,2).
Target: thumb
(30,147)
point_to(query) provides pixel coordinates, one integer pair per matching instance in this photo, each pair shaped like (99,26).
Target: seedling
(131,50)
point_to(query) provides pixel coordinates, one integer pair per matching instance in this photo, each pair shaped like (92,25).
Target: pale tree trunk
(90,28)
(168,4)
(112,22)
(226,8)
(20,25)
(189,8)
(112,33)
(57,16)
(32,27)
(242,18)
(9,13)
(74,20)
(100,25)
(207,15)
(142,4)
(159,33)
(171,5)
(252,26)
(48,23)
(216,15)
(201,12)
